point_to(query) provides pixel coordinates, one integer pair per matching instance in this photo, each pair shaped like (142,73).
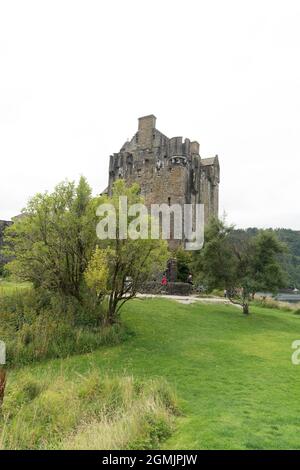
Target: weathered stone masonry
(168,171)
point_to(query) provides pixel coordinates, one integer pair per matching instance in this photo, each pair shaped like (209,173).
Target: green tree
(241,266)
(266,268)
(119,268)
(53,241)
(184,259)
(290,259)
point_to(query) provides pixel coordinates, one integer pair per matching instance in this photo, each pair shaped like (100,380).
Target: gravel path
(188,299)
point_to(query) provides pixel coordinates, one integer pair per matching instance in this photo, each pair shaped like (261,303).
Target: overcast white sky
(76,75)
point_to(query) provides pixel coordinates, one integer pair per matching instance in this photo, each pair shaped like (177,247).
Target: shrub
(217,293)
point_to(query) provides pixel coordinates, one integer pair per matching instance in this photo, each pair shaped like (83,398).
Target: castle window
(169,201)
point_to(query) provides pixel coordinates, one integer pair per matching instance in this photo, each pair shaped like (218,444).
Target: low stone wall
(172,288)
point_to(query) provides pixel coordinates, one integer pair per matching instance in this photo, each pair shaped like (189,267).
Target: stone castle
(168,170)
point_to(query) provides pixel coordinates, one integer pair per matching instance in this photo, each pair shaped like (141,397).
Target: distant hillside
(291,259)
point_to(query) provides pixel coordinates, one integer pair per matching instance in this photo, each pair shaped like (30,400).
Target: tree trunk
(246,309)
(111,313)
(2,384)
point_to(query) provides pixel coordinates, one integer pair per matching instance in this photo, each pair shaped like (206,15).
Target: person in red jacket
(164,280)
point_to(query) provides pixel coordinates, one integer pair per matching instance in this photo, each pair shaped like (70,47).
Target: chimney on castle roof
(145,132)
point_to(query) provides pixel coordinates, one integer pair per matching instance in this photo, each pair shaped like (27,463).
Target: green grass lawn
(233,374)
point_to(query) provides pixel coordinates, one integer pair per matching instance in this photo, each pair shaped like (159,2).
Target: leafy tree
(56,248)
(3,260)
(53,241)
(184,259)
(266,269)
(241,266)
(289,259)
(120,267)
(215,264)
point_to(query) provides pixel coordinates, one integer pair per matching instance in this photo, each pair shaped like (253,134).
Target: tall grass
(38,325)
(89,412)
(272,303)
(7,287)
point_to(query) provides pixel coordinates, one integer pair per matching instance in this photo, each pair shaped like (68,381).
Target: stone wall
(172,288)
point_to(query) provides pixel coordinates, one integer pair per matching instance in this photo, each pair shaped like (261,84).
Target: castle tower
(167,170)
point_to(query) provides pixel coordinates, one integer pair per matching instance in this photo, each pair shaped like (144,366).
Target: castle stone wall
(167,170)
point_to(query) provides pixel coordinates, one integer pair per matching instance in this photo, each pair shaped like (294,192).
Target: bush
(217,293)
(36,325)
(102,413)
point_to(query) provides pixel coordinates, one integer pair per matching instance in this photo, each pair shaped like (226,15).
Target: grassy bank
(233,374)
(86,412)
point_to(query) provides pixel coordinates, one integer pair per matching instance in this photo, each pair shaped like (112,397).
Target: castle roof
(210,161)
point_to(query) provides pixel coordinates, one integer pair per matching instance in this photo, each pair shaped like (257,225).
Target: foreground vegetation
(232,373)
(36,325)
(88,412)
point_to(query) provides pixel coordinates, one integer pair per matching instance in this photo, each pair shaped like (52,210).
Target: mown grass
(233,374)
